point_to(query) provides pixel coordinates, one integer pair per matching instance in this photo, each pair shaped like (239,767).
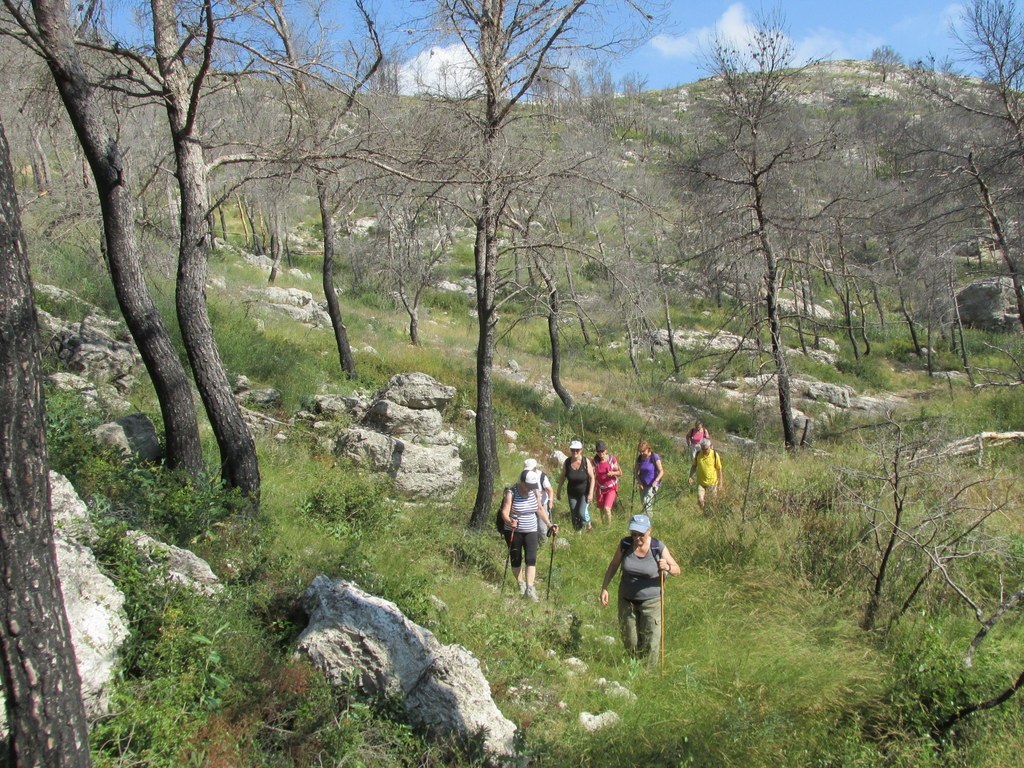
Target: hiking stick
(551,563)
(662,620)
(508,557)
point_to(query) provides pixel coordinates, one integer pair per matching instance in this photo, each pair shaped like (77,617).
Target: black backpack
(657,547)
(499,521)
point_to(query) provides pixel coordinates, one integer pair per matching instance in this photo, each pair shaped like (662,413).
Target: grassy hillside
(765,663)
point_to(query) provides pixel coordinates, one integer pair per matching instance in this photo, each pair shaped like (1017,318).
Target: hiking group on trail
(526,516)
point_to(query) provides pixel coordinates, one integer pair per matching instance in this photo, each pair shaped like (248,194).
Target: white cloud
(447,71)
(735,28)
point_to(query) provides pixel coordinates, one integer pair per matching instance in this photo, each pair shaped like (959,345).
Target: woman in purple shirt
(648,473)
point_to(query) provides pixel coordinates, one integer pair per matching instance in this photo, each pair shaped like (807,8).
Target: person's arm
(542,512)
(506,510)
(592,484)
(693,468)
(561,482)
(721,473)
(667,563)
(661,473)
(613,566)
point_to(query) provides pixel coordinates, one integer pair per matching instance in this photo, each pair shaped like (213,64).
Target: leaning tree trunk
(556,348)
(166,371)
(45,715)
(771,293)
(239,464)
(999,236)
(348,364)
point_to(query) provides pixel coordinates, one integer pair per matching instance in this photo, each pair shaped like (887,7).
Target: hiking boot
(531,594)
(522,589)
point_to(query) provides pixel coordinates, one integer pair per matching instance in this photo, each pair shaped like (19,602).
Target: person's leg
(700,496)
(647,499)
(530,544)
(585,514)
(627,626)
(574,513)
(608,501)
(515,556)
(649,630)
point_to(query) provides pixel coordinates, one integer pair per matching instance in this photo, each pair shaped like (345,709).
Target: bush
(349,505)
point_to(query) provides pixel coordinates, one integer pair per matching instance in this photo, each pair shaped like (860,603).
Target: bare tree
(182,66)
(45,713)
(886,59)
(49,34)
(746,164)
(508,47)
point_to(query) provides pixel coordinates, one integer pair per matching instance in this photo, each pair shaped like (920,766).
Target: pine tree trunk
(166,371)
(46,717)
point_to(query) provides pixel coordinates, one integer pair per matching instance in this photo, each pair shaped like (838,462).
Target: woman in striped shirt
(520,509)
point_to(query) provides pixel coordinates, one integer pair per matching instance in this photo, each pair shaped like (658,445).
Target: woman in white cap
(578,473)
(641,558)
(521,508)
(547,496)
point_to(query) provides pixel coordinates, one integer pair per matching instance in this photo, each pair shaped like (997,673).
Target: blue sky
(818,29)
(830,29)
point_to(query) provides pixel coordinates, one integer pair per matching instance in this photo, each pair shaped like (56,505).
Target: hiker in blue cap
(643,560)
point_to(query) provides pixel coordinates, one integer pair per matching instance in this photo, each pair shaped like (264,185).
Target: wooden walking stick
(662,620)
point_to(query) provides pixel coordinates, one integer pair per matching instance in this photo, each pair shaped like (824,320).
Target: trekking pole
(662,621)
(508,557)
(551,563)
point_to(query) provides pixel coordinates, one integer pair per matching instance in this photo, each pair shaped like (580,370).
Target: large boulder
(989,305)
(419,470)
(354,636)
(400,421)
(417,391)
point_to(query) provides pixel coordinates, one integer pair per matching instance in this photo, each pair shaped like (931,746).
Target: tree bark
(348,364)
(45,713)
(556,348)
(486,258)
(239,465)
(166,371)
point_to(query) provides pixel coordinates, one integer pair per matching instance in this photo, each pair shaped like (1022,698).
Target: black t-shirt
(577,481)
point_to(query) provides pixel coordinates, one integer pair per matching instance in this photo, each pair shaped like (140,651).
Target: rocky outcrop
(181,566)
(989,305)
(93,603)
(401,433)
(103,397)
(134,435)
(95,347)
(354,636)
(296,303)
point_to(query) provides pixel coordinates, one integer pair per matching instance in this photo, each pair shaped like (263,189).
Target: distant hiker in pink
(607,474)
(697,433)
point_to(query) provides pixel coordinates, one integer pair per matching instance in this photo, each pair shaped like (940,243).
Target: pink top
(696,435)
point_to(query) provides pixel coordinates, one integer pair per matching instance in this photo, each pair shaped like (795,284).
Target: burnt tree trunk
(348,364)
(239,464)
(166,371)
(45,713)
